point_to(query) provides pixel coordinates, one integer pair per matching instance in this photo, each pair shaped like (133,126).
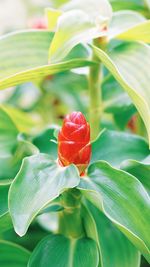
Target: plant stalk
(95,96)
(70,220)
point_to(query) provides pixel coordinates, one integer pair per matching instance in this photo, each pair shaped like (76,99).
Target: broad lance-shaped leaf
(46,142)
(52,17)
(13,148)
(3,199)
(140,32)
(116,147)
(22,120)
(87,18)
(39,181)
(12,255)
(8,133)
(123,199)
(24,57)
(115,99)
(79,29)
(125,22)
(63,251)
(94,8)
(141,170)
(8,142)
(115,249)
(5,220)
(129,63)
(136,5)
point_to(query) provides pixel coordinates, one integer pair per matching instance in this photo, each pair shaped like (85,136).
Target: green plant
(101,215)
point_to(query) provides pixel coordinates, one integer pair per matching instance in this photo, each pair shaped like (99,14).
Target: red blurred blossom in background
(74,142)
(132,124)
(38,23)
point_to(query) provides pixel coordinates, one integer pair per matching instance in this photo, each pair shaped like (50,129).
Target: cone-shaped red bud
(74,142)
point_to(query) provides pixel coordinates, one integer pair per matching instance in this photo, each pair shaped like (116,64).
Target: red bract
(74,142)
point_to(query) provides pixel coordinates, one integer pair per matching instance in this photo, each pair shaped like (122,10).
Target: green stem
(95,97)
(70,220)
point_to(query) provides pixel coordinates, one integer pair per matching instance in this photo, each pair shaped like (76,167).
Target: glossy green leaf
(24,57)
(46,142)
(141,170)
(122,119)
(8,142)
(5,220)
(39,181)
(122,21)
(129,63)
(12,255)
(115,147)
(65,252)
(123,199)
(115,99)
(115,249)
(3,199)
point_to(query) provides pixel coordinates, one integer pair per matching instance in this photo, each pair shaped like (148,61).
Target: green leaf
(8,142)
(115,147)
(140,32)
(94,8)
(141,170)
(115,249)
(24,57)
(137,5)
(52,16)
(86,21)
(13,148)
(80,29)
(121,119)
(22,120)
(8,134)
(123,199)
(45,142)
(71,90)
(5,220)
(3,199)
(129,63)
(115,99)
(122,21)
(12,255)
(62,251)
(147,2)
(39,181)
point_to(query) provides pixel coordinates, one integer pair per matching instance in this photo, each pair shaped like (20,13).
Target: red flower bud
(74,142)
